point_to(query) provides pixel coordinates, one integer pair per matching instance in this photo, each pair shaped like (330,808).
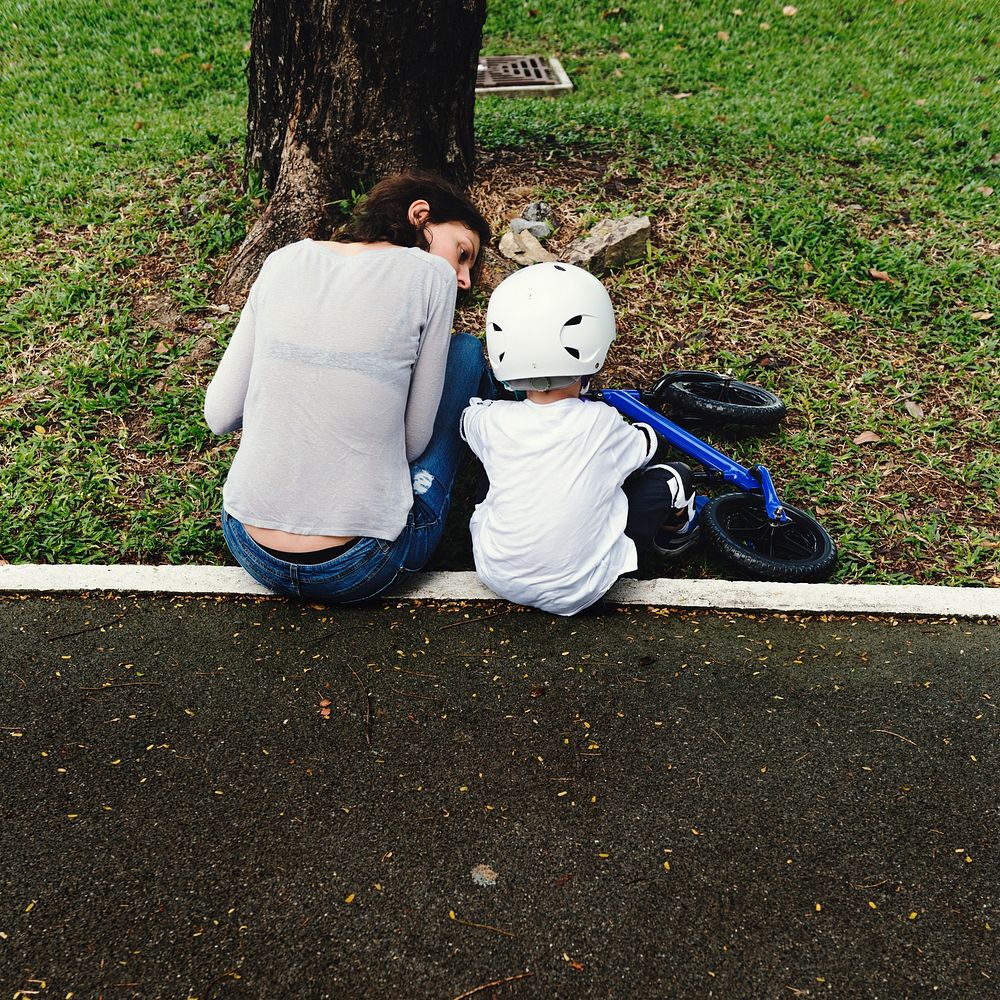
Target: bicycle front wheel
(799,550)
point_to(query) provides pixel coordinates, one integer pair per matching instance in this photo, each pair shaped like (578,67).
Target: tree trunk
(343,92)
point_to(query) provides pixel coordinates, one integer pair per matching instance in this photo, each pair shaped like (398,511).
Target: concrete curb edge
(974,602)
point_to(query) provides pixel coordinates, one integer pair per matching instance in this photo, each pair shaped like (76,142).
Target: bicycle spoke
(796,544)
(753,530)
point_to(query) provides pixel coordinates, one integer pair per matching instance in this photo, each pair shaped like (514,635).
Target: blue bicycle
(753,531)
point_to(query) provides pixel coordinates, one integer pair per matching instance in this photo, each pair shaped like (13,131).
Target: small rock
(611,243)
(537,229)
(524,248)
(537,211)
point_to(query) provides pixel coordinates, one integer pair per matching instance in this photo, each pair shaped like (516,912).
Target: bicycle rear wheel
(720,398)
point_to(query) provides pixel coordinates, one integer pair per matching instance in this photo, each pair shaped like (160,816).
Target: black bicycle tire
(760,407)
(744,546)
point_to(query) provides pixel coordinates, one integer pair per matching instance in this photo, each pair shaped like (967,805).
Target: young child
(572,498)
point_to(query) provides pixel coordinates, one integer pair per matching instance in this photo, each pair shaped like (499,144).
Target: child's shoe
(676,536)
(671,544)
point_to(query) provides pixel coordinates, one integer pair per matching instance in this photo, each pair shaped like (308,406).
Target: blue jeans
(371,565)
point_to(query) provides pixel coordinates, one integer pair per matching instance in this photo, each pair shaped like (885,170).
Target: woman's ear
(418,213)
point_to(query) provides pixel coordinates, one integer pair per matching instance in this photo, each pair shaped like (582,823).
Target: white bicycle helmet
(547,325)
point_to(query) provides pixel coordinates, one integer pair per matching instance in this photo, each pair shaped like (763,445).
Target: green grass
(852,137)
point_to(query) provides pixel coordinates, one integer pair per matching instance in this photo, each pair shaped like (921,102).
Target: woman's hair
(382,214)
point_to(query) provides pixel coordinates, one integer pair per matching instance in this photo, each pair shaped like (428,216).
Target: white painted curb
(971,602)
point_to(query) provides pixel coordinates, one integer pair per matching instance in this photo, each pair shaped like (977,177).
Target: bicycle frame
(628,402)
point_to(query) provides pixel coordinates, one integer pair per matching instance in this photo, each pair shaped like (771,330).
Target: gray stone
(611,243)
(524,249)
(537,211)
(537,229)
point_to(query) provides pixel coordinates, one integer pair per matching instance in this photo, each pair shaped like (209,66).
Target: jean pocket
(365,570)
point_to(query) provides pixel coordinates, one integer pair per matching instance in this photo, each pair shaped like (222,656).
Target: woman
(348,386)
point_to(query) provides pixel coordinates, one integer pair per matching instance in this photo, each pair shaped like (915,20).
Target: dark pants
(650,504)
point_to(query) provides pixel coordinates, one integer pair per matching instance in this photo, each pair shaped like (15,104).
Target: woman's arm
(427,380)
(227,391)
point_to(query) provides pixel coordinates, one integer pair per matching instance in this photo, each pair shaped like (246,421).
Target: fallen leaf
(723,36)
(984,191)
(764,26)
(789,11)
(982,315)
(867,437)
(325,702)
(915,410)
(484,875)
(879,275)
(683,94)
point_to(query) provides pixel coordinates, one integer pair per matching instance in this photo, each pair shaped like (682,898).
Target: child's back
(550,532)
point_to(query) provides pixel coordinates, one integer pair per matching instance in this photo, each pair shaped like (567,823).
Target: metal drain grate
(512,76)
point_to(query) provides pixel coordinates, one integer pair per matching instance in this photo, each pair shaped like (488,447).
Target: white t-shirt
(550,532)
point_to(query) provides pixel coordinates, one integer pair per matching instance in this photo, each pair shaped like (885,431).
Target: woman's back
(337,390)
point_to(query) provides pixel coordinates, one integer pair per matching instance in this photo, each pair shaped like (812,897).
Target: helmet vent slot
(500,356)
(573,352)
(497,328)
(575,321)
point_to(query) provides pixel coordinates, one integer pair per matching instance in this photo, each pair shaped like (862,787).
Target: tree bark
(343,92)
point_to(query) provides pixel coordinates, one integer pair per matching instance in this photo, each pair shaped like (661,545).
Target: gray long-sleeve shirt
(334,373)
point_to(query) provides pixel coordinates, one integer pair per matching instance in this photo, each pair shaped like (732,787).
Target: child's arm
(471,422)
(634,445)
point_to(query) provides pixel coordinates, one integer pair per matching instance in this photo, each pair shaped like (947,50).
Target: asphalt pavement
(243,797)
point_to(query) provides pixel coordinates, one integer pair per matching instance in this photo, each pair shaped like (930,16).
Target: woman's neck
(353,248)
